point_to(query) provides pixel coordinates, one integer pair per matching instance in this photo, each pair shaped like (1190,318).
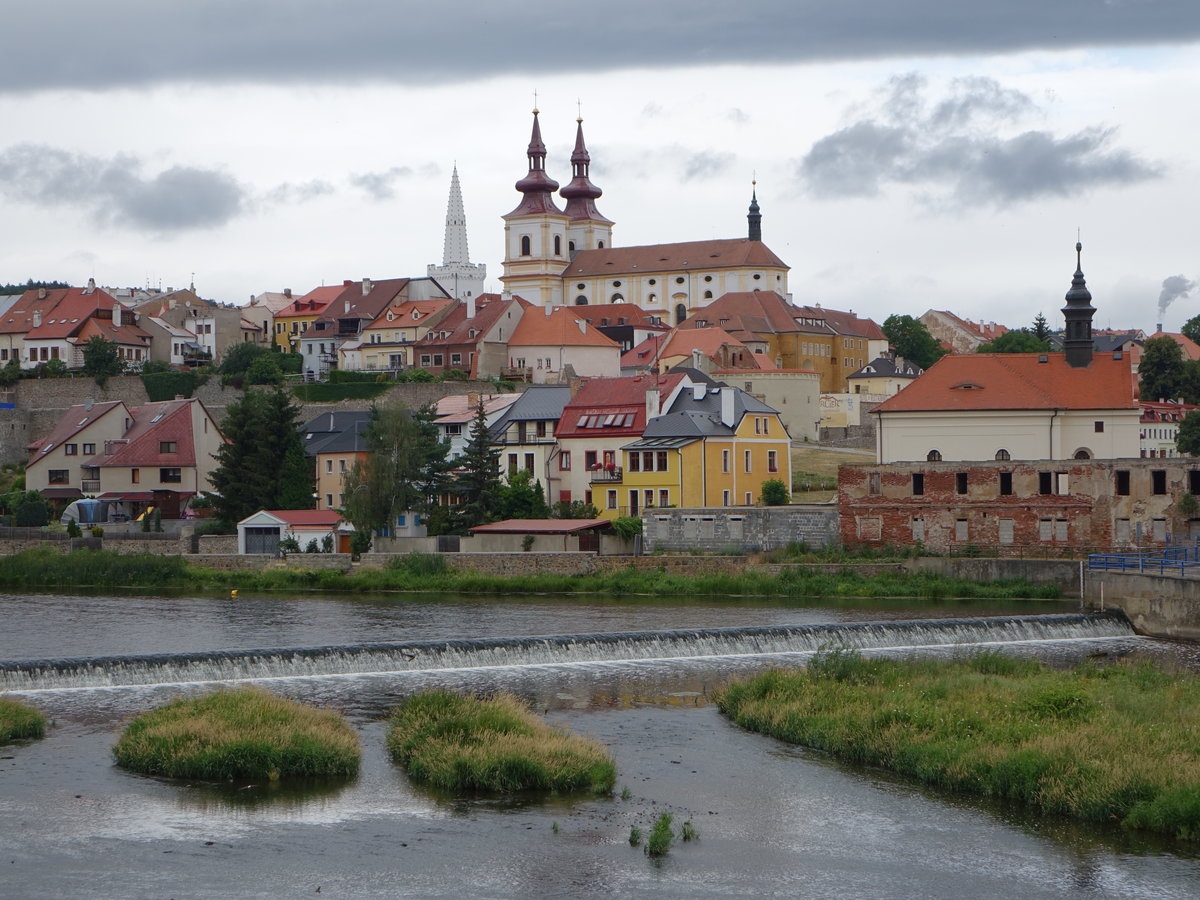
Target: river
(773,820)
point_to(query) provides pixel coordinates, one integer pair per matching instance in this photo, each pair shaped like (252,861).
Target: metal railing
(614,475)
(1180,559)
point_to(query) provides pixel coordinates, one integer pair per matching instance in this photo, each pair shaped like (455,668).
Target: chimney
(472,400)
(41,293)
(698,392)
(37,318)
(366,286)
(470,307)
(727,407)
(652,403)
(91,286)
(287,292)
(574,384)
(88,403)
(582,323)
(1159,326)
(549,310)
(506,295)
(347,305)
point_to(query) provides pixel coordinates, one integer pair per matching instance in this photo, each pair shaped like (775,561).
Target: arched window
(571,247)
(1003,454)
(652,298)
(581,300)
(708,295)
(599,245)
(526,245)
(617,297)
(933,456)
(1083,453)
(557,245)
(680,314)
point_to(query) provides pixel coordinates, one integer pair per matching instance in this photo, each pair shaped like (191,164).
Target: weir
(353,659)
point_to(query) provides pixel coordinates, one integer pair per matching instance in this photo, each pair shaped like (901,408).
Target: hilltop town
(667,387)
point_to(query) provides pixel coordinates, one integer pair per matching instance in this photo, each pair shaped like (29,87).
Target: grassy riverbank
(244,733)
(1111,744)
(461,743)
(19,721)
(45,568)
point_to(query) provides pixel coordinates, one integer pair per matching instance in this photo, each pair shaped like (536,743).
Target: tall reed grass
(19,721)
(43,567)
(459,743)
(243,733)
(1102,744)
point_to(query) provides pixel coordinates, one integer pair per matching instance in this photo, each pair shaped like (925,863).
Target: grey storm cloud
(706,164)
(967,147)
(93,46)
(117,191)
(382,185)
(1174,287)
(292,193)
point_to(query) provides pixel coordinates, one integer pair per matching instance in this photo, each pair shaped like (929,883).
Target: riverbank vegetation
(459,743)
(44,567)
(1102,744)
(244,733)
(19,721)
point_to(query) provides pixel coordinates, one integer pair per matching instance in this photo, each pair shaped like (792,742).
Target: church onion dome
(536,187)
(581,193)
(1078,295)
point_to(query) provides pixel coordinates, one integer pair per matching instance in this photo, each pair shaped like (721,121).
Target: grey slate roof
(539,402)
(318,432)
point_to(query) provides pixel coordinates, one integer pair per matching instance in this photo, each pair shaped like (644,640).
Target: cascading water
(301,662)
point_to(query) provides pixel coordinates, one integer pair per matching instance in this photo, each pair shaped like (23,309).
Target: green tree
(1015,342)
(253,470)
(1191,328)
(911,339)
(403,470)
(1161,370)
(1040,330)
(102,359)
(240,357)
(477,482)
(1188,439)
(10,374)
(575,509)
(522,497)
(264,370)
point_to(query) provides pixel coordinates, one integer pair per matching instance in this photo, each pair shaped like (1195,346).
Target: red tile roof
(154,423)
(458,328)
(611,312)
(683,257)
(73,421)
(1186,344)
(540,526)
(749,313)
(562,328)
(612,406)
(985,381)
(19,318)
(402,314)
(846,323)
(310,517)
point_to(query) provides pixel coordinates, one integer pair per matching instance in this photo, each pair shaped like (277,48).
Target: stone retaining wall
(750,527)
(1164,606)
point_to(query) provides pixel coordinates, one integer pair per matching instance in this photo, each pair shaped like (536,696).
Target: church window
(526,245)
(708,278)
(680,314)
(571,247)
(580,286)
(653,281)
(708,295)
(617,297)
(757,276)
(558,246)
(600,245)
(1003,454)
(616,284)
(679,279)
(581,300)
(933,456)
(652,298)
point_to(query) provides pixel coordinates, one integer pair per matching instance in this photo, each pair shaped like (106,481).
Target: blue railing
(1181,556)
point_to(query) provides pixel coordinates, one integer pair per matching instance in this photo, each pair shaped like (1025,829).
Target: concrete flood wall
(1163,606)
(750,528)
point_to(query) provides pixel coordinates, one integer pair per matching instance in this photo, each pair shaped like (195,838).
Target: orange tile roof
(146,435)
(402,313)
(19,317)
(613,396)
(726,253)
(630,312)
(985,381)
(750,312)
(562,328)
(846,323)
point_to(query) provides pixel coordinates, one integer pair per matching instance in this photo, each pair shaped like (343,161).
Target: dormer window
(966,386)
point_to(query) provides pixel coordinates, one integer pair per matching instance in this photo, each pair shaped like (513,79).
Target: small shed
(549,535)
(262,532)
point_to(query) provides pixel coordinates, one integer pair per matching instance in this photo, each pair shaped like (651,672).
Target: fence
(1181,556)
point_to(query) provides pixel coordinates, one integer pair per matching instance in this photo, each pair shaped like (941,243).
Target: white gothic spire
(456,273)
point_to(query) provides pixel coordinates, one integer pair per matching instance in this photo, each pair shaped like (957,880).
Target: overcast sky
(909,153)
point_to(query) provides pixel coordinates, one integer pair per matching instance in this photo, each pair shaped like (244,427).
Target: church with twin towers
(566,256)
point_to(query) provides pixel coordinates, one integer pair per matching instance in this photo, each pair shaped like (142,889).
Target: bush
(167,384)
(331,393)
(32,514)
(73,529)
(774,493)
(244,733)
(19,721)
(97,531)
(456,375)
(627,527)
(419,564)
(661,836)
(461,743)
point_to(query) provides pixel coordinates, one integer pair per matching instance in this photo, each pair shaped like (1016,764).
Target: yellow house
(714,446)
(293,320)
(387,342)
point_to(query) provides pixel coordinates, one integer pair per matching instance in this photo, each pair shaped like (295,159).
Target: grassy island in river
(19,721)
(243,733)
(459,743)
(1102,744)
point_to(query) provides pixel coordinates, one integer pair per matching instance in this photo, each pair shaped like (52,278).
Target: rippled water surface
(773,820)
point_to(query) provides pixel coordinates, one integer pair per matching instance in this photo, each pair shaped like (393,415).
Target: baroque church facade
(556,257)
